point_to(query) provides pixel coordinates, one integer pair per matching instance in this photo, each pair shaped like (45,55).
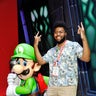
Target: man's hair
(59,24)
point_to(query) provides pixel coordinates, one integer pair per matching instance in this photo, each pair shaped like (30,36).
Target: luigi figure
(23,81)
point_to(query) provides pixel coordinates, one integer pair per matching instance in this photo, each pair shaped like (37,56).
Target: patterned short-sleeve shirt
(67,64)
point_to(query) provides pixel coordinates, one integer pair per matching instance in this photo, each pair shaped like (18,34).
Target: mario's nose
(17,69)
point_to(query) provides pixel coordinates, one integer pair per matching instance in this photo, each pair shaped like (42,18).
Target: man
(62,61)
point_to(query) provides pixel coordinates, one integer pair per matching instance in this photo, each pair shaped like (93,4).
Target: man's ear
(37,67)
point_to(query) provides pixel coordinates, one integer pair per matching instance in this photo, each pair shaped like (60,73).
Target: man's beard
(61,41)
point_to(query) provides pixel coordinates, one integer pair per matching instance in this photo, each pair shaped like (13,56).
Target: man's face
(59,35)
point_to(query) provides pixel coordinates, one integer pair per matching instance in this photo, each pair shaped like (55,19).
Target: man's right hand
(37,39)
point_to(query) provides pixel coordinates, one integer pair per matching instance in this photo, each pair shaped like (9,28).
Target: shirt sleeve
(47,56)
(79,49)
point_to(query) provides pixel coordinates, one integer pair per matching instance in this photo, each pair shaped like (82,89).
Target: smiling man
(62,60)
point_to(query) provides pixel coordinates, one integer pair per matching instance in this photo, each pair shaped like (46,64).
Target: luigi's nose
(17,69)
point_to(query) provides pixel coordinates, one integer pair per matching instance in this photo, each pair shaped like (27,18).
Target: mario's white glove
(13,82)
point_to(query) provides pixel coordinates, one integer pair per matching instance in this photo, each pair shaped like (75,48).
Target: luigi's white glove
(13,79)
(11,90)
(13,82)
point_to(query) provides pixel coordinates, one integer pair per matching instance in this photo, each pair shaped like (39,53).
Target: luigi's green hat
(24,50)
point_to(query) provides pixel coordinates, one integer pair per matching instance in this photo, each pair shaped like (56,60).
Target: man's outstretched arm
(39,58)
(86,50)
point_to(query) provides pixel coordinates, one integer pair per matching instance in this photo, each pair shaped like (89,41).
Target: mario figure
(21,80)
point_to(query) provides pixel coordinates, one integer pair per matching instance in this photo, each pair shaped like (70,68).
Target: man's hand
(81,31)
(37,39)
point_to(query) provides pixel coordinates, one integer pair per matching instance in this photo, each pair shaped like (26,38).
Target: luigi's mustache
(25,72)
